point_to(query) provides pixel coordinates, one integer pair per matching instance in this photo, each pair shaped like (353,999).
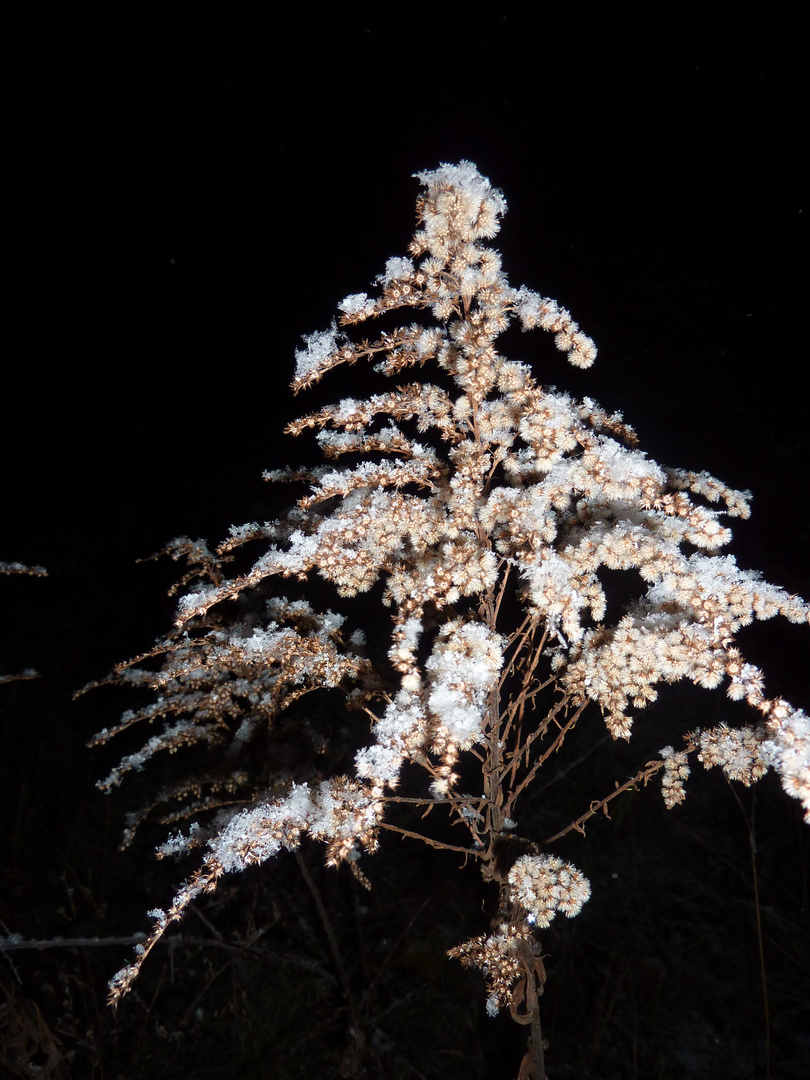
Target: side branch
(439,844)
(643,777)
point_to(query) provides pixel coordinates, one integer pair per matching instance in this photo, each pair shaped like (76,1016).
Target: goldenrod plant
(462,521)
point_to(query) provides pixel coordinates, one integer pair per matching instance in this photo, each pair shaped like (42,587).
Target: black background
(189,188)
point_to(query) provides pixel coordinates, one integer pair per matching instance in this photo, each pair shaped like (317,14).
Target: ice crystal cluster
(482,504)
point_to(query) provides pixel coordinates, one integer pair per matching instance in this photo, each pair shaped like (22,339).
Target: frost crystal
(356,304)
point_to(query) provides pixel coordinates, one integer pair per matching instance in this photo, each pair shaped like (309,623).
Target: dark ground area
(187,189)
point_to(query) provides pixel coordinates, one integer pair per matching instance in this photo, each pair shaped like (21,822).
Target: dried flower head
(499,957)
(544,885)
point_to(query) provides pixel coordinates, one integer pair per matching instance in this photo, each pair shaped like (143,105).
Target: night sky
(188,189)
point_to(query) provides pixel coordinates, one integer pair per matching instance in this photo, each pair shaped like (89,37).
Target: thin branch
(752,843)
(14,944)
(330,934)
(643,776)
(555,746)
(439,844)
(172,940)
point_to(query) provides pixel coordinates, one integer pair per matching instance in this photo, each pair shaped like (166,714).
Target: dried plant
(31,571)
(479,508)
